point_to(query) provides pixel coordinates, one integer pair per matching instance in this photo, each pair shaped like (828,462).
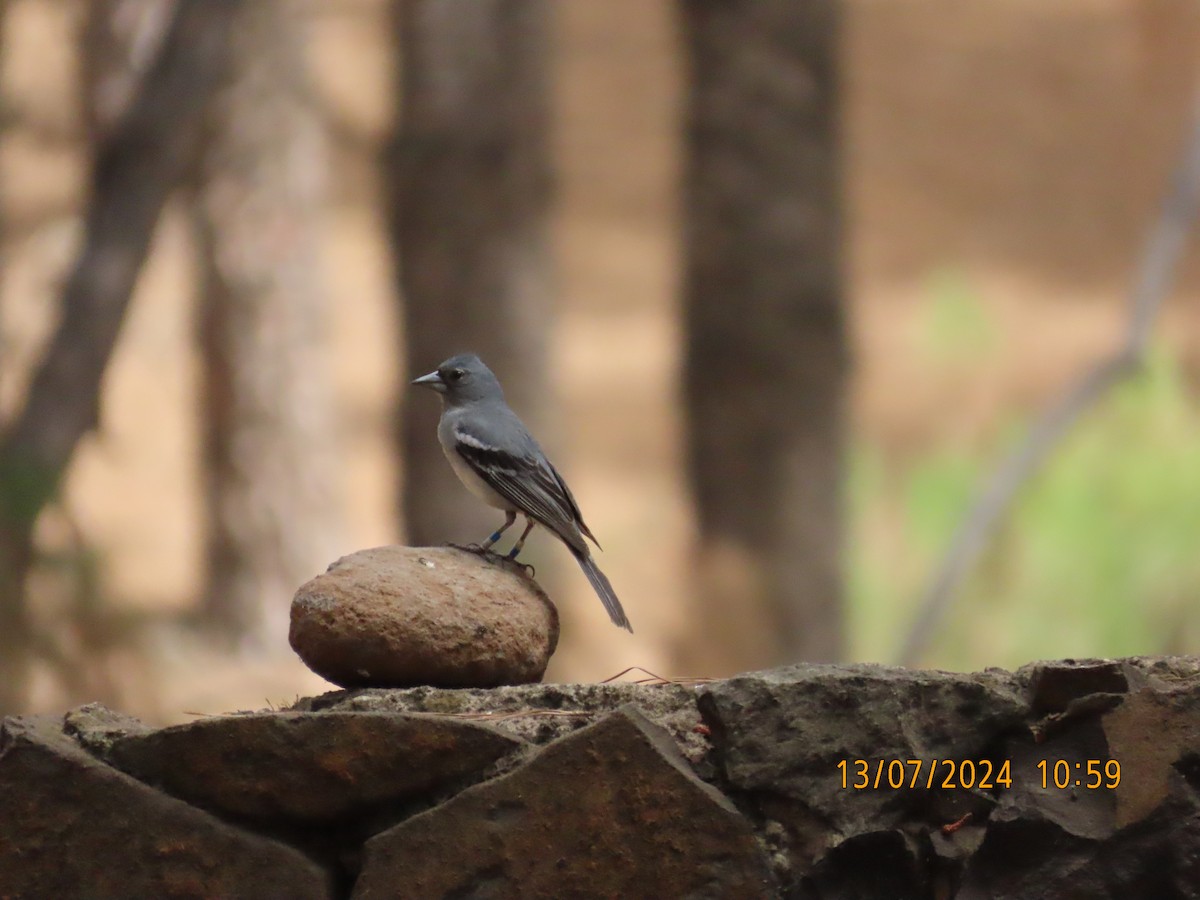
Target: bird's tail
(604,590)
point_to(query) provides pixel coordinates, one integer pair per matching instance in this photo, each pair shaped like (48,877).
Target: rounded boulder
(438,616)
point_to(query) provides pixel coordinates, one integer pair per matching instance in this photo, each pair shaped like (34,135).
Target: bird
(499,461)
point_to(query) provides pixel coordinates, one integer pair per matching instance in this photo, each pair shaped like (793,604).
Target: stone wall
(729,789)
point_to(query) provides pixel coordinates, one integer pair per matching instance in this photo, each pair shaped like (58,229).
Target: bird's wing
(525,478)
(580,524)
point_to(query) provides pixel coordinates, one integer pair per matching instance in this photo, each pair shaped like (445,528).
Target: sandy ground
(1016,146)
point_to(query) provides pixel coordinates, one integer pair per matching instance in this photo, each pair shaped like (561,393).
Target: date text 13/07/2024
(895,774)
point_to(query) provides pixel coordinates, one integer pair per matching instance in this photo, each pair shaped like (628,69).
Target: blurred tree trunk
(766,357)
(4,124)
(121,39)
(268,418)
(470,180)
(134,169)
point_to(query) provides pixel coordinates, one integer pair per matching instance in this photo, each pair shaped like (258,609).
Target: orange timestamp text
(1092,774)
(985,774)
(860,774)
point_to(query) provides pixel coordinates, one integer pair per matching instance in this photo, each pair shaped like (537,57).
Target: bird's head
(461,378)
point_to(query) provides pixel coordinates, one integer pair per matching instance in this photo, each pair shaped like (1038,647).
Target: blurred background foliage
(996,166)
(1099,553)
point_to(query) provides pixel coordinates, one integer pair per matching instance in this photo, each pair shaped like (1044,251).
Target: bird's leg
(509,518)
(529,523)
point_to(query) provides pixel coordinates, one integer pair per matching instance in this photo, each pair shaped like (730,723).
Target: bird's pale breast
(466,474)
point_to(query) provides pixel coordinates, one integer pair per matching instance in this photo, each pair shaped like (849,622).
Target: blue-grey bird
(498,460)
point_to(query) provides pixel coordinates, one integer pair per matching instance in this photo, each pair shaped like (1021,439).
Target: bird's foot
(511,556)
(477,549)
(488,553)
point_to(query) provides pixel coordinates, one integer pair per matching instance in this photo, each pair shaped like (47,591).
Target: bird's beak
(433,381)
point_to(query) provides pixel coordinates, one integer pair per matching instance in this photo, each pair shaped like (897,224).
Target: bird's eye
(456,374)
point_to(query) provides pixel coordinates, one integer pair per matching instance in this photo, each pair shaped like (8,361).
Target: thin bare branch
(652,678)
(1156,275)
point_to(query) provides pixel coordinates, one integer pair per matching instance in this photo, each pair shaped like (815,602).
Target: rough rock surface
(403,616)
(540,713)
(309,767)
(609,811)
(780,735)
(1140,838)
(71,826)
(363,781)
(784,734)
